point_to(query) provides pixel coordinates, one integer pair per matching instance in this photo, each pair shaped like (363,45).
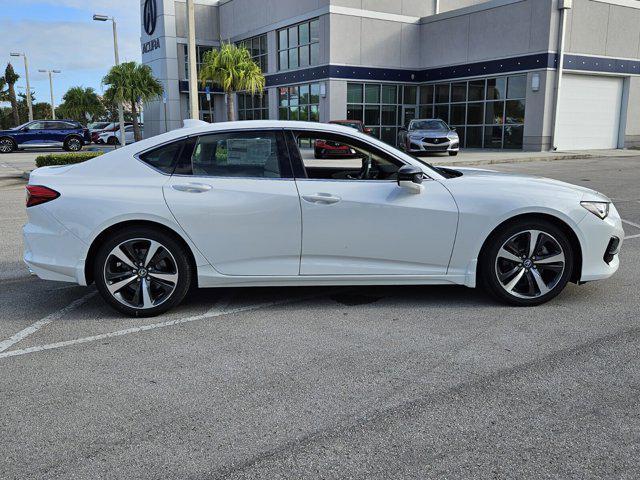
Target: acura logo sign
(150,16)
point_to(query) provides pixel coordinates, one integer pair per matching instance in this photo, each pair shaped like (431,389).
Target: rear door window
(250,154)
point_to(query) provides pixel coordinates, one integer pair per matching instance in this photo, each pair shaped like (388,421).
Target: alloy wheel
(6,146)
(141,273)
(74,144)
(530,264)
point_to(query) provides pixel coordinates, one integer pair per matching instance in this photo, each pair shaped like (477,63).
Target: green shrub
(65,158)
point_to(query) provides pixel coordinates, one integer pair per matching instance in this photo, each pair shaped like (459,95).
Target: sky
(61,35)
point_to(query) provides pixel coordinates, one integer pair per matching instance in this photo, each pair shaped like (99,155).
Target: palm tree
(81,104)
(132,84)
(11,77)
(232,69)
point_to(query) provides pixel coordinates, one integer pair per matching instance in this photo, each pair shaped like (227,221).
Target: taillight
(37,195)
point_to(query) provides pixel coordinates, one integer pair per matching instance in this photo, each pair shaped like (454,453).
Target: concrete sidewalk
(491,157)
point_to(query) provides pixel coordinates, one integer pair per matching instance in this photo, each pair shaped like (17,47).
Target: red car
(327,149)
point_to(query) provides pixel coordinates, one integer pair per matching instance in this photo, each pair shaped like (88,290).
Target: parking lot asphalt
(365,382)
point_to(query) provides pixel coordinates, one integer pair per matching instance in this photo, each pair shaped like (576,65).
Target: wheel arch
(558,222)
(117,227)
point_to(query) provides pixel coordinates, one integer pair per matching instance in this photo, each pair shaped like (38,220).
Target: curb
(496,161)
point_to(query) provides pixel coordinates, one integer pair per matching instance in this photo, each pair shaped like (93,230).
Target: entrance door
(238,202)
(408,114)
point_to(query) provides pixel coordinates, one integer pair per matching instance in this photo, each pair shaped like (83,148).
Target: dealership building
(487,67)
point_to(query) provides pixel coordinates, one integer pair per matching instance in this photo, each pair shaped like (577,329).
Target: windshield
(445,172)
(428,125)
(20,126)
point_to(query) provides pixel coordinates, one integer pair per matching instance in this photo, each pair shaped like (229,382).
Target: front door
(358,221)
(238,202)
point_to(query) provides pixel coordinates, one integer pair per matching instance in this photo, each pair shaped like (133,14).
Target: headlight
(599,209)
(453,136)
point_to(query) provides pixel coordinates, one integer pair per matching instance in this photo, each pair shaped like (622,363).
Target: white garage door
(589,116)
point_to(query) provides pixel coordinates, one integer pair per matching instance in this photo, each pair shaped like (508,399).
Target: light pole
(53,104)
(193,70)
(105,18)
(26,76)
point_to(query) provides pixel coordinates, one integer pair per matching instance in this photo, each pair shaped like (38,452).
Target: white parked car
(247,204)
(115,137)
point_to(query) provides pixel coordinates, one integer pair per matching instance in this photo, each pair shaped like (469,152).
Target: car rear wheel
(7,145)
(453,154)
(112,141)
(142,272)
(528,263)
(73,144)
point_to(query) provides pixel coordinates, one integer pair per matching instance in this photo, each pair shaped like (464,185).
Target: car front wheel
(528,263)
(142,272)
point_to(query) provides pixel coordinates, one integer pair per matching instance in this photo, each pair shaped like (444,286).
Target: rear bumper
(51,251)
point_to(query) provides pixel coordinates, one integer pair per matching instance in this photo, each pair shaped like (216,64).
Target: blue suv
(67,134)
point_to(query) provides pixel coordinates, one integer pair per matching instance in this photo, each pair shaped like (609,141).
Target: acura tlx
(248,204)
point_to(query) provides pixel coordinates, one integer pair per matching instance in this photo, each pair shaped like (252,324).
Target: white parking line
(22,334)
(629,237)
(630,223)
(217,311)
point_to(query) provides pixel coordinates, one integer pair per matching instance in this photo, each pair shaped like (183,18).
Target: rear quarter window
(163,158)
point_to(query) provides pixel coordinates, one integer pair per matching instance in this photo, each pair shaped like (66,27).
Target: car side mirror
(411,178)
(453,129)
(368,131)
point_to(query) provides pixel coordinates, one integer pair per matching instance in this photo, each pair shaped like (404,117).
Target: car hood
(431,133)
(515,181)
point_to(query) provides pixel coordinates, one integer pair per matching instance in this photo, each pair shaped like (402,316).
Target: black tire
(317,153)
(177,252)
(112,141)
(7,145)
(453,154)
(73,144)
(490,265)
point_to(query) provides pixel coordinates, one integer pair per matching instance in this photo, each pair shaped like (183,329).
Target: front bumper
(431,146)
(598,262)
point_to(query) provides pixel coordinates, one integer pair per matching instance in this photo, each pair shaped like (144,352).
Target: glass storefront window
(372,94)
(257,46)
(299,102)
(517,87)
(389,94)
(253,107)
(299,45)
(496,88)
(487,113)
(410,95)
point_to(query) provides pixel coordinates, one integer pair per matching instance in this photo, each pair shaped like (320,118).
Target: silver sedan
(429,136)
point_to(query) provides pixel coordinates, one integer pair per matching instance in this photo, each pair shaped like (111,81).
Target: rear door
(236,198)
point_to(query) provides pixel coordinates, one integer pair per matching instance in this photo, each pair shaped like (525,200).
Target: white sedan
(247,204)
(114,137)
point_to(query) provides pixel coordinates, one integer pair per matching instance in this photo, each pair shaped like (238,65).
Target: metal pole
(437,7)
(53,105)
(123,139)
(193,70)
(564,5)
(29,100)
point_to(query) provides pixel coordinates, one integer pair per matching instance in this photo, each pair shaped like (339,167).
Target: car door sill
(211,281)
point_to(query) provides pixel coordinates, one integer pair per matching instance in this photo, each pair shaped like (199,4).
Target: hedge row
(65,158)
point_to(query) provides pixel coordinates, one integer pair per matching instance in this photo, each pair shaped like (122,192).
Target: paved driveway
(384,382)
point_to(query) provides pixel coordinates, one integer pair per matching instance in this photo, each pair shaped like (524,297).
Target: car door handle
(192,188)
(321,198)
